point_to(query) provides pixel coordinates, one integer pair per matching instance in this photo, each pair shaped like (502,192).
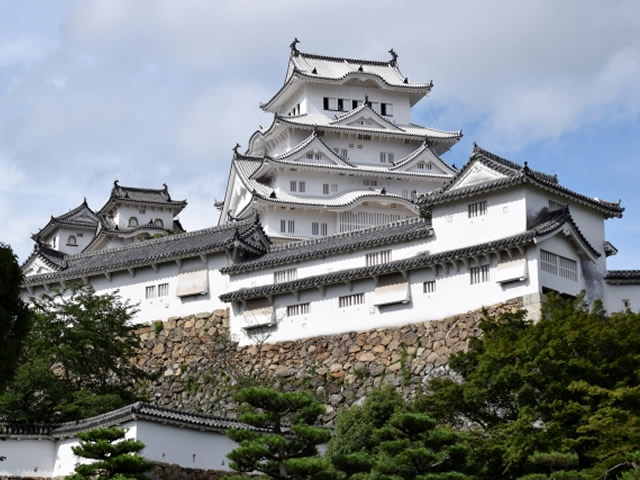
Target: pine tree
(283,444)
(115,456)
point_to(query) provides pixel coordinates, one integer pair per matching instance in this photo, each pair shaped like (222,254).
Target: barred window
(150,292)
(283,226)
(479,274)
(367,182)
(293,186)
(287,275)
(558,265)
(291,226)
(301,187)
(351,300)
(299,309)
(163,289)
(325,189)
(310,156)
(377,258)
(429,287)
(363,136)
(477,209)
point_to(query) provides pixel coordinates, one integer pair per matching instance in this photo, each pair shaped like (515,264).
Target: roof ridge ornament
(294,49)
(235,150)
(394,58)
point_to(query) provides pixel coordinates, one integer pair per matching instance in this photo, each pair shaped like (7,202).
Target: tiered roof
(401,231)
(309,67)
(622,277)
(549,224)
(72,219)
(246,235)
(511,174)
(142,196)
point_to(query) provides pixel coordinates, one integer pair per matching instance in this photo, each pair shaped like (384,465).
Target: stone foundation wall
(198,365)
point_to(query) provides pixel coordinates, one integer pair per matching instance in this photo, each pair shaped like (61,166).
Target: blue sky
(149,92)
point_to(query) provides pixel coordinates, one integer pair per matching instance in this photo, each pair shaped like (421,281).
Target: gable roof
(68,220)
(511,174)
(165,249)
(145,196)
(401,231)
(549,223)
(51,257)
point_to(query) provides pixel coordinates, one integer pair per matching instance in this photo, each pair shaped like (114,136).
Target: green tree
(77,359)
(14,315)
(352,448)
(283,443)
(566,385)
(113,456)
(411,446)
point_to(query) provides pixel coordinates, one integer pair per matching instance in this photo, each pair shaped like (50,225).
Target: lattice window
(479,274)
(429,287)
(477,209)
(299,309)
(163,289)
(378,258)
(287,275)
(351,300)
(150,292)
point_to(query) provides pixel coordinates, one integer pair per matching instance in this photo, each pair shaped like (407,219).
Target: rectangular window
(351,300)
(369,183)
(291,226)
(375,106)
(355,104)
(344,153)
(325,189)
(293,186)
(301,187)
(283,226)
(287,275)
(477,209)
(318,228)
(383,157)
(341,104)
(299,309)
(318,156)
(363,136)
(142,210)
(553,206)
(558,265)
(330,103)
(429,287)
(150,292)
(479,274)
(378,258)
(163,289)
(310,156)
(334,187)
(386,109)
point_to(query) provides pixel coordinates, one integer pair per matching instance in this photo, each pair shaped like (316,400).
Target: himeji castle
(341,153)
(342,216)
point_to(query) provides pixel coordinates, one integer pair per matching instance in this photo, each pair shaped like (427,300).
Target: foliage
(385,439)
(76,361)
(14,315)
(113,455)
(283,444)
(351,449)
(568,385)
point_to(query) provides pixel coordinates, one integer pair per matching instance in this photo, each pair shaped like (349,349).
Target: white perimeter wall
(325,317)
(133,288)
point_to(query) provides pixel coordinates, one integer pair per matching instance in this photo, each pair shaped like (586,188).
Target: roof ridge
(351,233)
(165,239)
(346,59)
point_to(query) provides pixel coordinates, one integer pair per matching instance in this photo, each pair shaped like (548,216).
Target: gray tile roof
(515,175)
(155,251)
(401,231)
(136,411)
(622,276)
(551,222)
(144,196)
(67,220)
